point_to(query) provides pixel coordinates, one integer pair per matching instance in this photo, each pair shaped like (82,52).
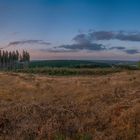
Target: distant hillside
(79,63)
(67,63)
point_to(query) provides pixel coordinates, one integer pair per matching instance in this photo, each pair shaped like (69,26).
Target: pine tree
(10,59)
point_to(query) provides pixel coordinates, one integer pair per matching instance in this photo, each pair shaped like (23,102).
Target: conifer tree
(9,59)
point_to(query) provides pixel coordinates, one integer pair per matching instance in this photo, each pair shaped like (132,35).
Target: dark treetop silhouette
(13,59)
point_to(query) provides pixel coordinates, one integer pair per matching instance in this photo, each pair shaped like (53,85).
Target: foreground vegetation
(69,71)
(37,107)
(77,67)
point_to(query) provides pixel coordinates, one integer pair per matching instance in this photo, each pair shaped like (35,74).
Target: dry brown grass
(34,107)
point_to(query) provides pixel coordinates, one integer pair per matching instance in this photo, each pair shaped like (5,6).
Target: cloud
(128,36)
(93,41)
(123,49)
(107,35)
(57,50)
(101,35)
(15,43)
(117,48)
(88,46)
(132,51)
(82,39)
(88,41)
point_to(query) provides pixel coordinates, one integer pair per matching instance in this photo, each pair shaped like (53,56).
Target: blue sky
(72,29)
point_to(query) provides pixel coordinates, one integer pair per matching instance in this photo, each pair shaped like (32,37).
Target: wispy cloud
(88,46)
(22,42)
(82,39)
(101,35)
(107,35)
(117,48)
(123,49)
(132,51)
(89,42)
(128,36)
(92,41)
(57,50)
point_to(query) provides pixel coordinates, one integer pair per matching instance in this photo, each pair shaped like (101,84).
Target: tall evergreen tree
(9,59)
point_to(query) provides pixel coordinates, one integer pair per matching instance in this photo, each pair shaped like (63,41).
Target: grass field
(40,107)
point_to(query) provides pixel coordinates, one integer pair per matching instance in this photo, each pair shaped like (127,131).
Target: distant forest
(13,59)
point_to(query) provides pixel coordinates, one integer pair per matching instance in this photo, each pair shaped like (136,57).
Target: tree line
(13,59)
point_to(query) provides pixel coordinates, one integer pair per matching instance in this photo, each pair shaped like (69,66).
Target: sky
(72,29)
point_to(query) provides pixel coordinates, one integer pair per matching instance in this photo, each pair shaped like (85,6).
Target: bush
(69,71)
